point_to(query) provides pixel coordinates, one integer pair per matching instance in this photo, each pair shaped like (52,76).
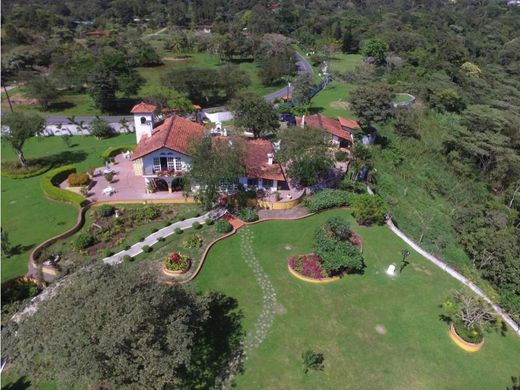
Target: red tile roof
(175,133)
(143,108)
(332,126)
(257,163)
(349,123)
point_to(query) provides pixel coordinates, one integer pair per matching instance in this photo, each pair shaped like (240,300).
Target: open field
(27,215)
(342,62)
(372,329)
(333,100)
(82,104)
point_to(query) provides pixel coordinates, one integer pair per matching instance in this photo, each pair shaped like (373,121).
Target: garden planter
(465,345)
(311,280)
(178,272)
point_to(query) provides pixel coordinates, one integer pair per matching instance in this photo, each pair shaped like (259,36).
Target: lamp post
(404,262)
(288,90)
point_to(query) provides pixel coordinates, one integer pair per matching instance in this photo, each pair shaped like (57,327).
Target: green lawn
(27,215)
(342,62)
(82,104)
(340,319)
(333,100)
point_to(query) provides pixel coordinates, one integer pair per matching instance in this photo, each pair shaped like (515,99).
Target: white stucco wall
(164,152)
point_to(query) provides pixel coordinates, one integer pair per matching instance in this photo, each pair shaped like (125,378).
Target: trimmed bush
(177,262)
(209,221)
(341,156)
(105,211)
(167,223)
(128,258)
(141,239)
(147,248)
(78,179)
(14,170)
(107,253)
(84,241)
(327,199)
(115,150)
(192,242)
(109,177)
(50,186)
(368,209)
(223,226)
(99,128)
(248,215)
(178,231)
(155,230)
(196,225)
(161,239)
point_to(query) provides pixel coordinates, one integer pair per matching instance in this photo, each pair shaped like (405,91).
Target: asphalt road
(302,64)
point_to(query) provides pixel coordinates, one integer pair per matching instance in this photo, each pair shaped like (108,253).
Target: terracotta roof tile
(143,108)
(330,125)
(349,123)
(175,133)
(257,163)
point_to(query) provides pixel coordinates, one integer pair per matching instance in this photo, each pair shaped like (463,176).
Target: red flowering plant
(308,265)
(177,262)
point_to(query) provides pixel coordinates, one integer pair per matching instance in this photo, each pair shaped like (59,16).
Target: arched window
(143,120)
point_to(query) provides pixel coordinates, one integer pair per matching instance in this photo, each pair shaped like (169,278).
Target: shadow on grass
(60,106)
(66,157)
(223,332)
(19,249)
(21,384)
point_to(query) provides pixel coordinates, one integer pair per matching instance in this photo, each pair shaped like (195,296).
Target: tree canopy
(22,126)
(120,327)
(255,114)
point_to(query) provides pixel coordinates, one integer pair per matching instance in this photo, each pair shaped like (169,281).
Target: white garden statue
(391,270)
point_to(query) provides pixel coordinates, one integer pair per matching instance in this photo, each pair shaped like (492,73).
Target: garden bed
(104,233)
(308,268)
(465,345)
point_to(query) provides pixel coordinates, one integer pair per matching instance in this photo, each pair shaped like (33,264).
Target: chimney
(270,158)
(303,122)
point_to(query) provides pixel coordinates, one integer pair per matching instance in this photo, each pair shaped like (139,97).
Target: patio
(126,186)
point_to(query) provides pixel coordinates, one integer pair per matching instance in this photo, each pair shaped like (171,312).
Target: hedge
(327,199)
(27,175)
(50,186)
(115,150)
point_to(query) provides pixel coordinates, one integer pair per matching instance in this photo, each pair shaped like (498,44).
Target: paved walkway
(295,212)
(152,239)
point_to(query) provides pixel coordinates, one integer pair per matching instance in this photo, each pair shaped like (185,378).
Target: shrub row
(50,186)
(327,199)
(12,170)
(248,215)
(115,150)
(78,179)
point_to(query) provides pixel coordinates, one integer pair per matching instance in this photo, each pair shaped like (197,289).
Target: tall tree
(103,87)
(376,48)
(215,162)
(372,103)
(303,88)
(21,127)
(43,90)
(254,113)
(96,331)
(305,151)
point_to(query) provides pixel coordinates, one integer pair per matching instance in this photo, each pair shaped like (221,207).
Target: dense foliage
(177,337)
(327,199)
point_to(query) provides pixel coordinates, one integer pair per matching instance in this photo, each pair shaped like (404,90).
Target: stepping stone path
(260,329)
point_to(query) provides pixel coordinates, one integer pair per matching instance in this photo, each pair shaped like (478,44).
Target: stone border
(461,343)
(167,272)
(311,280)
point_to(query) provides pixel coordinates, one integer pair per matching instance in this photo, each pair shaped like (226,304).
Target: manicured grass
(339,319)
(333,100)
(342,62)
(27,215)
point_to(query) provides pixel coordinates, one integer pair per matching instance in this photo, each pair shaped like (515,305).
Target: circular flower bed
(308,268)
(468,340)
(176,263)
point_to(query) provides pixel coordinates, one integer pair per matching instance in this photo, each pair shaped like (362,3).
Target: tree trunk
(21,157)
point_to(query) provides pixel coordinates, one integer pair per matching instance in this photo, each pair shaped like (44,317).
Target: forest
(448,167)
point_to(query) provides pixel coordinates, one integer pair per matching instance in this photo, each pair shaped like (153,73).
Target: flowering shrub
(177,262)
(192,242)
(78,179)
(308,265)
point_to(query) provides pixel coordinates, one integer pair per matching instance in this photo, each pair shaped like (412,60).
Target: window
(170,163)
(143,120)
(252,182)
(178,164)
(156,164)
(267,183)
